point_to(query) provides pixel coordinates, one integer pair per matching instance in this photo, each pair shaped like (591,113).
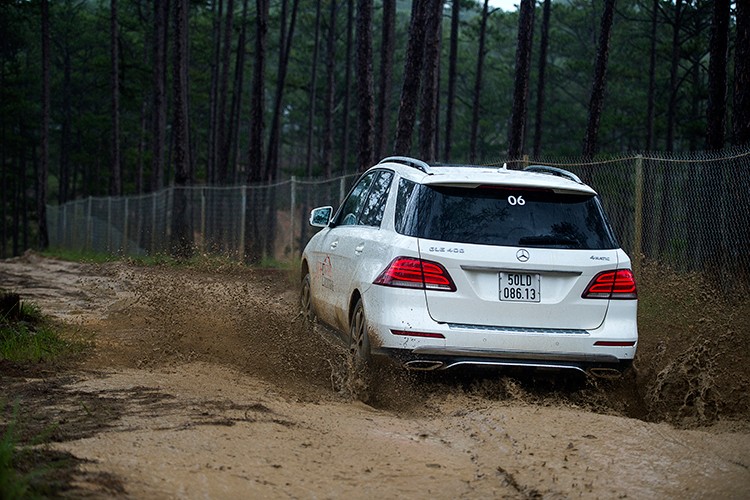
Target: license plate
(520,287)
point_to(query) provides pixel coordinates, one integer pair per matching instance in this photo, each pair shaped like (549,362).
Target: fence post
(65,238)
(203,221)
(243,211)
(638,222)
(292,204)
(109,224)
(125,228)
(153,222)
(89,226)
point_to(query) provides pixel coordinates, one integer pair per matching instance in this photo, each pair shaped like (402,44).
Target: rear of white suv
(478,266)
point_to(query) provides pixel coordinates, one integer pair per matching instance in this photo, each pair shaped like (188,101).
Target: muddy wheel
(305,300)
(360,342)
(360,365)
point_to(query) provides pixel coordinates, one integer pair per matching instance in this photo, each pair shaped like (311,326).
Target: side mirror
(321,217)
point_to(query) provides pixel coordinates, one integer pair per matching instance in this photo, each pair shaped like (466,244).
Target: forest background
(124,97)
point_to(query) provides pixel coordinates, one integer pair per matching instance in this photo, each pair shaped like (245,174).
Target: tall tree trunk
(741,96)
(430,77)
(740,235)
(716,193)
(285,47)
(253,240)
(116,179)
(366,102)
(159,120)
(3,178)
(41,184)
(478,84)
(232,143)
(66,127)
(222,154)
(717,75)
(452,71)
(181,244)
(517,130)
(347,85)
(543,46)
(217,10)
(649,219)
(651,105)
(313,93)
(143,132)
(385,80)
(665,228)
(274,144)
(257,108)
(596,103)
(407,111)
(673,77)
(330,92)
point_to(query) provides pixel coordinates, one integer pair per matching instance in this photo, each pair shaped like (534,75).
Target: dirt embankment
(205,382)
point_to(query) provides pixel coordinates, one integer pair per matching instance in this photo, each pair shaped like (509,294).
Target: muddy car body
(440,266)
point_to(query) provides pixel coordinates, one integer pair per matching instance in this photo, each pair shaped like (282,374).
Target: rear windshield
(503,216)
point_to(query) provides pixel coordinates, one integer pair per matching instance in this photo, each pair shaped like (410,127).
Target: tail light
(612,285)
(408,272)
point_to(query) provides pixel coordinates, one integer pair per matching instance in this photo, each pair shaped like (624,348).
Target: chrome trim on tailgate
(513,329)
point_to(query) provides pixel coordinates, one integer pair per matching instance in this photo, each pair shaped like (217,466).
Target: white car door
(355,239)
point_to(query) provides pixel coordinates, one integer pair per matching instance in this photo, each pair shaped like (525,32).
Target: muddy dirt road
(203,382)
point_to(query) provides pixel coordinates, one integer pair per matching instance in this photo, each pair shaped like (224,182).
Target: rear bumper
(429,358)
(398,320)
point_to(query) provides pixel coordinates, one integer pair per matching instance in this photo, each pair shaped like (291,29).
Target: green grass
(26,470)
(29,338)
(80,255)
(12,483)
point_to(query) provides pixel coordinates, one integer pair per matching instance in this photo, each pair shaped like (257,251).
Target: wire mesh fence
(690,211)
(233,221)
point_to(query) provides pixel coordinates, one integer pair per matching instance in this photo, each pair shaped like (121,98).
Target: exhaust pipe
(606,373)
(423,365)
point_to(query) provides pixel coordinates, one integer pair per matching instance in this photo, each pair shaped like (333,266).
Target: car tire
(305,300)
(360,360)
(359,345)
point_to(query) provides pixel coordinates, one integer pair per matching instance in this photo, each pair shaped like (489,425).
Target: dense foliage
(81,92)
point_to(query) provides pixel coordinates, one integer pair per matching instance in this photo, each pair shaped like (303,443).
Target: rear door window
(365,204)
(374,207)
(349,212)
(496,215)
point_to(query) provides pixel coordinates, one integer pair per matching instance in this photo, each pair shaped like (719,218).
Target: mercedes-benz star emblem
(522,255)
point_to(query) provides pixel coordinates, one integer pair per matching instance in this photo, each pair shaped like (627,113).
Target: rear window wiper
(548,240)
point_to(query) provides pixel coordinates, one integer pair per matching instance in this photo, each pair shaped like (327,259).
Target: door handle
(359,248)
(334,244)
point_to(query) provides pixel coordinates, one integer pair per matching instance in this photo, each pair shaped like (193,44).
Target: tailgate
(518,287)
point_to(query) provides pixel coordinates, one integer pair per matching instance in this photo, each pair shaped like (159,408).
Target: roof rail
(411,162)
(544,169)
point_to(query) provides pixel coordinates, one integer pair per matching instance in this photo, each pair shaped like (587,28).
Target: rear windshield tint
(504,217)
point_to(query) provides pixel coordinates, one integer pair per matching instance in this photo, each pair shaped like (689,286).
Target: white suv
(439,266)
